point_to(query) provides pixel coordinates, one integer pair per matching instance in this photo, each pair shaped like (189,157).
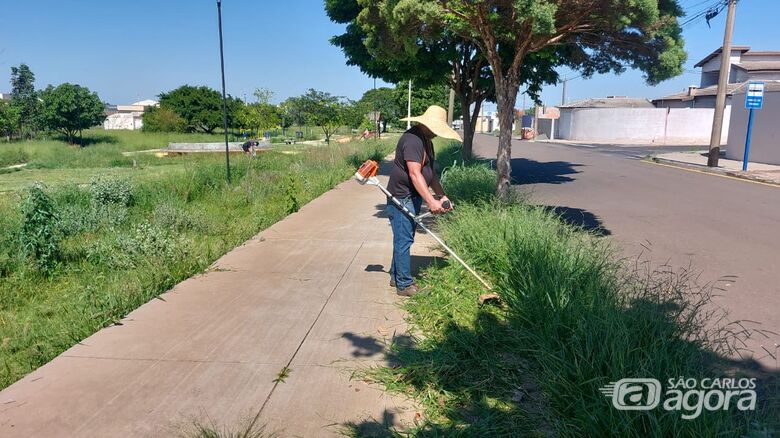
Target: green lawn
(123,239)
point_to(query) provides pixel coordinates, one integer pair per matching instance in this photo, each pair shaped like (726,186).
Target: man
(411,178)
(249,147)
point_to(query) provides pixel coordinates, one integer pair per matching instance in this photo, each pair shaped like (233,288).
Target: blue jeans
(403,236)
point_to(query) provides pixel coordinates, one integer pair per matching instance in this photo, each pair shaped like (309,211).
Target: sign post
(754,99)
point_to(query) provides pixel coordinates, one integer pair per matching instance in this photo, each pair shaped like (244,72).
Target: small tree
(70,108)
(24,98)
(258,117)
(9,119)
(324,110)
(163,119)
(39,236)
(386,101)
(200,107)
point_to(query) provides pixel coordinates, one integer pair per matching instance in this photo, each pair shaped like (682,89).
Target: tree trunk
(469,122)
(506,96)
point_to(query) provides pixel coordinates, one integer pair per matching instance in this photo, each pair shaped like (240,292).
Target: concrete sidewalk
(766,173)
(309,293)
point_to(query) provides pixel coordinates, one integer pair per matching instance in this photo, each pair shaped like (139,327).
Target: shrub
(106,190)
(39,237)
(177,219)
(163,119)
(75,218)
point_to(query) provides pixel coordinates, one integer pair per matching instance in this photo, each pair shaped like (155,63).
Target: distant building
(746,65)
(5,96)
(127,116)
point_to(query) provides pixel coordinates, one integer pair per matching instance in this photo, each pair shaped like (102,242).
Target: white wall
(639,125)
(765,142)
(123,121)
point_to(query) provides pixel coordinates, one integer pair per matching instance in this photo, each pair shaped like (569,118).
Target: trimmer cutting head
(367,171)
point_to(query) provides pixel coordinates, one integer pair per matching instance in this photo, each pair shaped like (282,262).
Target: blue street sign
(754,99)
(755,95)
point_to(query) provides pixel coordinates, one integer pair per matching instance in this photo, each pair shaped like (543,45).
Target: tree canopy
(70,108)
(200,107)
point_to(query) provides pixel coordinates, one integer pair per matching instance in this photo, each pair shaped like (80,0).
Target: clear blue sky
(128,51)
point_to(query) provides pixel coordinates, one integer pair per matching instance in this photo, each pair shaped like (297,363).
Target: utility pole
(224,98)
(409,106)
(563,94)
(723,81)
(451,107)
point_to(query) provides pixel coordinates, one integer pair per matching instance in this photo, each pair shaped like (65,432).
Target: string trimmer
(366,174)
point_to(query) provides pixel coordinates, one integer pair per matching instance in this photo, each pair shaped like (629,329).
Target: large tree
(200,107)
(24,98)
(588,35)
(70,108)
(395,44)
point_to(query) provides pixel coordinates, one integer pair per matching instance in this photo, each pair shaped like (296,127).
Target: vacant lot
(103,235)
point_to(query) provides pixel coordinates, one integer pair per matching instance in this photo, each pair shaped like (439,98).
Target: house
(127,116)
(746,65)
(765,136)
(5,96)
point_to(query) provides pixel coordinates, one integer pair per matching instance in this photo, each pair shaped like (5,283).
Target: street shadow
(527,171)
(579,218)
(375,268)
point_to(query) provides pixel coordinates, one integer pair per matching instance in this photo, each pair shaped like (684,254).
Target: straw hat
(435,119)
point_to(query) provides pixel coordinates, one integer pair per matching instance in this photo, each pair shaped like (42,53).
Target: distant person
(249,147)
(411,179)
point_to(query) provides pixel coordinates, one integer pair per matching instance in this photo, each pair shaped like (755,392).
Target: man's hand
(434,205)
(451,206)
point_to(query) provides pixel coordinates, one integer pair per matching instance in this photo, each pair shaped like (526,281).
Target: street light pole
(723,82)
(224,96)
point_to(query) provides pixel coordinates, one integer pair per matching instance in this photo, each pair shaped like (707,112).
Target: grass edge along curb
(576,317)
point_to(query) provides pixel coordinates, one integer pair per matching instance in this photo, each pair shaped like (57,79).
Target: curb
(712,171)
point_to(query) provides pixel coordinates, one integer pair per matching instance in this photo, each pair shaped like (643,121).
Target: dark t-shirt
(412,146)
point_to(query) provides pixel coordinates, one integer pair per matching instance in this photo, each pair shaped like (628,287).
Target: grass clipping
(573,318)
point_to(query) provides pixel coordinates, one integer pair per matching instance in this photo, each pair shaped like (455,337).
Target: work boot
(392,282)
(408,291)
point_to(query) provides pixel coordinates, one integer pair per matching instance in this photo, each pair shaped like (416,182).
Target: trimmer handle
(446,204)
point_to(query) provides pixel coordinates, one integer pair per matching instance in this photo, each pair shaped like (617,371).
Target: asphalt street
(725,230)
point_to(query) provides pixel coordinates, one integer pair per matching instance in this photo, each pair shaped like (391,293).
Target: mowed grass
(117,251)
(573,317)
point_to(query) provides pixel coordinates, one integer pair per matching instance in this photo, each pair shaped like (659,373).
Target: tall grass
(123,242)
(574,317)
